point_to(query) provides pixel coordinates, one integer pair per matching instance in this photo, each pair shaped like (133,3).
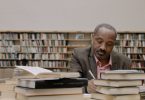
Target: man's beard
(101,54)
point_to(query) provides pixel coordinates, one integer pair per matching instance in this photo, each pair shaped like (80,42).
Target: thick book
(54,91)
(117,83)
(52,83)
(38,72)
(123,75)
(100,96)
(53,97)
(117,90)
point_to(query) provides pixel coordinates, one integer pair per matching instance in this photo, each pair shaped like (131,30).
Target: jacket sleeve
(127,64)
(75,62)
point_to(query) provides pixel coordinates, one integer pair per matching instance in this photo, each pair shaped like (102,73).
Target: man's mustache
(101,51)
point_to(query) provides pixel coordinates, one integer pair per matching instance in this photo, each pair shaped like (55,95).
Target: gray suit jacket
(83,60)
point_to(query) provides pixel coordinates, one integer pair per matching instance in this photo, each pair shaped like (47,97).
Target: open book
(38,72)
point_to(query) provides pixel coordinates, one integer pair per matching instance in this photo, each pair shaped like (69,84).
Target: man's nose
(103,46)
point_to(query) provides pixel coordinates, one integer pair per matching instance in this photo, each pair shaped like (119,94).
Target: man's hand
(91,88)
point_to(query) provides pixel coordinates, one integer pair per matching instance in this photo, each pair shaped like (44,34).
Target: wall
(71,15)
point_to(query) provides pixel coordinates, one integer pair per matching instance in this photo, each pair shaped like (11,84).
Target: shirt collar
(109,64)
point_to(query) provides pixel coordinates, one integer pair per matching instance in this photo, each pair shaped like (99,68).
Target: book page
(34,70)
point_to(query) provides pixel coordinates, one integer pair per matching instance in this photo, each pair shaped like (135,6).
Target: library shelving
(53,50)
(132,44)
(50,50)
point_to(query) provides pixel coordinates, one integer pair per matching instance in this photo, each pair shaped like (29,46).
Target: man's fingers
(91,87)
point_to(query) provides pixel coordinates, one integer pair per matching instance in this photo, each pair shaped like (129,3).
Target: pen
(92,74)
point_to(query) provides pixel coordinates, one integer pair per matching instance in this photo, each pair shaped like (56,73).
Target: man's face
(103,43)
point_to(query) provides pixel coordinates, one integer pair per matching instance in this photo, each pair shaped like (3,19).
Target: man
(100,56)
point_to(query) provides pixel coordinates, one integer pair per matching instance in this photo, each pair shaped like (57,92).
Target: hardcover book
(123,75)
(52,83)
(100,96)
(53,97)
(117,83)
(117,90)
(44,92)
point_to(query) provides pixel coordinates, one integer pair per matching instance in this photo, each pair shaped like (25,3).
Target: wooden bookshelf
(132,44)
(52,50)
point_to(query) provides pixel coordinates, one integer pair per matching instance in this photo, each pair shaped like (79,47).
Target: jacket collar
(91,52)
(113,57)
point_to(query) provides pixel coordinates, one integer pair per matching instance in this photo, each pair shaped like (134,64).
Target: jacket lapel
(92,61)
(114,60)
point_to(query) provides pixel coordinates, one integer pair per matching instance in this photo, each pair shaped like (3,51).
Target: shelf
(5,67)
(46,48)
(56,68)
(78,40)
(76,46)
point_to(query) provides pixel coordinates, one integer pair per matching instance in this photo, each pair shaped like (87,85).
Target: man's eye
(99,41)
(110,44)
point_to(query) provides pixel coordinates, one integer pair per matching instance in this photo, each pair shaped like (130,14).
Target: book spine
(60,84)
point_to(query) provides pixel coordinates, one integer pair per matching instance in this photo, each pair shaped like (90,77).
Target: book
(52,83)
(123,75)
(7,95)
(53,97)
(117,83)
(123,71)
(117,90)
(38,72)
(142,88)
(54,91)
(79,36)
(101,96)
(6,87)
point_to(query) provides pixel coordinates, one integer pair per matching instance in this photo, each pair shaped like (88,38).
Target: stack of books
(57,86)
(7,89)
(50,89)
(119,85)
(142,91)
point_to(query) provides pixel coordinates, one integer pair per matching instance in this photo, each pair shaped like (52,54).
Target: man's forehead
(105,30)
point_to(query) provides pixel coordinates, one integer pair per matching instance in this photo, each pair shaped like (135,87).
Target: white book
(117,90)
(122,71)
(100,96)
(117,83)
(54,91)
(53,97)
(123,75)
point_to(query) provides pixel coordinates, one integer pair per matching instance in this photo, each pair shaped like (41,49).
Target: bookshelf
(132,44)
(50,50)
(53,50)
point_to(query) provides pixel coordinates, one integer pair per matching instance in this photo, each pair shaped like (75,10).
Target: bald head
(106,27)
(103,41)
